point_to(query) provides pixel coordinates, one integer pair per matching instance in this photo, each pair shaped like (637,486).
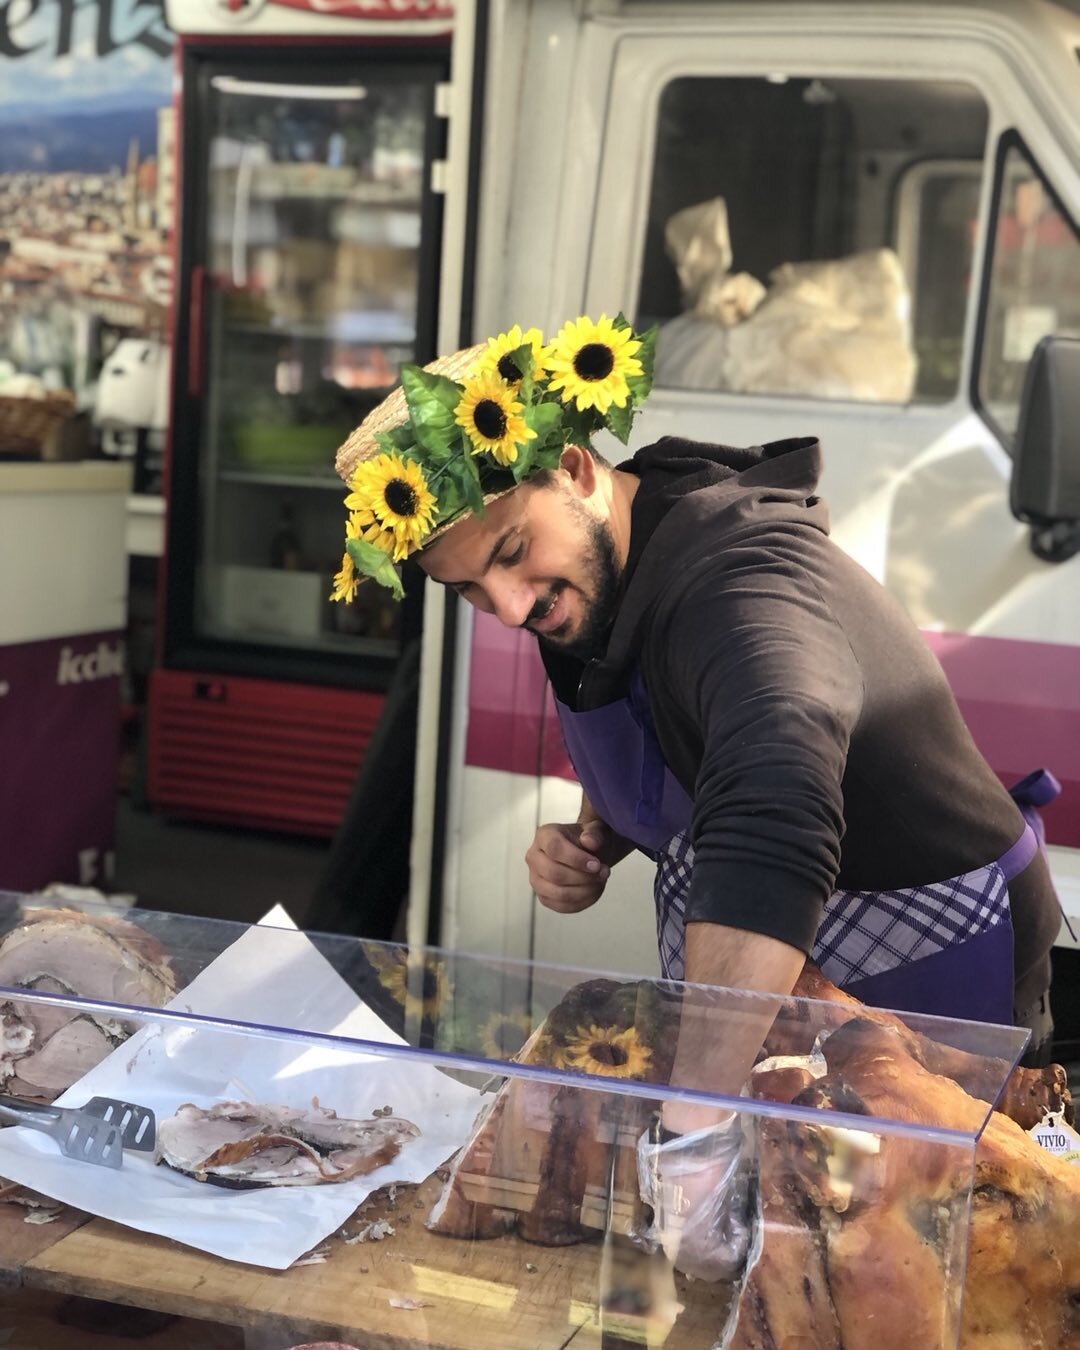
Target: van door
(684,165)
(941,245)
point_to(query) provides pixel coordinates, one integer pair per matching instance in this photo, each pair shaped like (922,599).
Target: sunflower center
(603,1052)
(400,497)
(507,368)
(490,420)
(595,361)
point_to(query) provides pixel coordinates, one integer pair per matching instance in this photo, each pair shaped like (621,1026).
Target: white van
(641,156)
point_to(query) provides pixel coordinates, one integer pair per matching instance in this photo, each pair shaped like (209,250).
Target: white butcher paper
(271,975)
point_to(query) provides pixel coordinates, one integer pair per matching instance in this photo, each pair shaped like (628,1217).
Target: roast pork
(862,1239)
(245,1145)
(45,1048)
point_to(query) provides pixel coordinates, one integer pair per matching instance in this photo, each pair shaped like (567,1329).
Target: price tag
(1057,1137)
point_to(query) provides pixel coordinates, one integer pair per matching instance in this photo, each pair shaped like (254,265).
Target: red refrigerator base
(258,753)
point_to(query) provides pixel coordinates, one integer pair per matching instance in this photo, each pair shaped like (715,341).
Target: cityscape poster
(86,193)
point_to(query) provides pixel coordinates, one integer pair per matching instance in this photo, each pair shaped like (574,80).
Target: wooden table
(504,1294)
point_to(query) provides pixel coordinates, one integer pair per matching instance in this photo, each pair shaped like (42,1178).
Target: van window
(812,236)
(1032,284)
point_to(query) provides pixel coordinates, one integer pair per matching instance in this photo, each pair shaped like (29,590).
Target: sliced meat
(98,958)
(257,1145)
(17,1035)
(62,1060)
(77,955)
(327,1131)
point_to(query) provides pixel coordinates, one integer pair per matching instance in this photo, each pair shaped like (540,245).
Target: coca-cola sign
(374,9)
(299,16)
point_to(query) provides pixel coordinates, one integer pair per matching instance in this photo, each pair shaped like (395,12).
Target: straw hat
(393,411)
(494,434)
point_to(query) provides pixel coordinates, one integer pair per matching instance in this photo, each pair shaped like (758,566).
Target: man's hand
(569,864)
(699,1188)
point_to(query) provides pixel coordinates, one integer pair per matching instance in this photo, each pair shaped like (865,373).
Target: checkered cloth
(671,885)
(861,933)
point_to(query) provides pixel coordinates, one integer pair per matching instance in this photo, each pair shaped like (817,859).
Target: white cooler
(63,615)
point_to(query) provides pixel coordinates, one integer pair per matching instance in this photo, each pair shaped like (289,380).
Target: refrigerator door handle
(195,330)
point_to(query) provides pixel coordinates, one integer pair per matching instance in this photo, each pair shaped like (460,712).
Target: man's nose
(511,601)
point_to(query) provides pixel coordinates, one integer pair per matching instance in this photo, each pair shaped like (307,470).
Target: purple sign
(60,718)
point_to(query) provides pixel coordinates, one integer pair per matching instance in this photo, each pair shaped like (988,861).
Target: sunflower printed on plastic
(605,1051)
(504,1034)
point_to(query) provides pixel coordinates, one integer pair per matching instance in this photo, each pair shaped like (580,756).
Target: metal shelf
(258,478)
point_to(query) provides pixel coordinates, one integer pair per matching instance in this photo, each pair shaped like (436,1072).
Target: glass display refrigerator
(307,275)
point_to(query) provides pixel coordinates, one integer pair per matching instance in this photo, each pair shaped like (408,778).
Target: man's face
(539,559)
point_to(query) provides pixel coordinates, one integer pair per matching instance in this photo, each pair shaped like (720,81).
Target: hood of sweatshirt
(694,500)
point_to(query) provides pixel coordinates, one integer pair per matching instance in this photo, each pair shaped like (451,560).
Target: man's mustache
(543,606)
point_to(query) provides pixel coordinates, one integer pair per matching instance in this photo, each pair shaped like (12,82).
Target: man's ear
(580,468)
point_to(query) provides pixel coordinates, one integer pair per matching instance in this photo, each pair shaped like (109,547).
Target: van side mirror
(1045,491)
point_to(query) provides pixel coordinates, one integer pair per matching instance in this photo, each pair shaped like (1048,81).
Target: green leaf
(451,499)
(619,420)
(546,419)
(432,400)
(525,463)
(640,385)
(396,442)
(522,358)
(580,427)
(548,457)
(418,383)
(374,563)
(464,472)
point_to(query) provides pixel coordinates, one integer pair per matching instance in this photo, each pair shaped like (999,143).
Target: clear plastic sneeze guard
(468,1150)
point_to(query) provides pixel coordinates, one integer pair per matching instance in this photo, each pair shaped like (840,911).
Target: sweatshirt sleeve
(754,670)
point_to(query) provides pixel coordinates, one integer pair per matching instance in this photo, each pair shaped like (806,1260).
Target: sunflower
(605,1051)
(503,1034)
(392,494)
(347,581)
(491,416)
(360,525)
(419,987)
(496,359)
(589,363)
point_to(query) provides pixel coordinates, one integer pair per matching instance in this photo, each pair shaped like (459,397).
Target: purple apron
(944,949)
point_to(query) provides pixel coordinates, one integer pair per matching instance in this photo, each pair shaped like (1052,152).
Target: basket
(25,423)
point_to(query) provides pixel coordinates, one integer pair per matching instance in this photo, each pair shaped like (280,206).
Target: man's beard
(600,588)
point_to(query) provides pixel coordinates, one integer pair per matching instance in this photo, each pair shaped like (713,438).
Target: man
(740,700)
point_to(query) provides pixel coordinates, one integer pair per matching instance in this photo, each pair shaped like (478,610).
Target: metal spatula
(80,1135)
(135,1123)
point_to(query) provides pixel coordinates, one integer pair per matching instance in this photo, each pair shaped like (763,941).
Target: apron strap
(653,765)
(1015,859)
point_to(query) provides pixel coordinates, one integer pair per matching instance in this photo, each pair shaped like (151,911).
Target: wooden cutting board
(504,1294)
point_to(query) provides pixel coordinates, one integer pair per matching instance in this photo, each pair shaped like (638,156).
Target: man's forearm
(720,1035)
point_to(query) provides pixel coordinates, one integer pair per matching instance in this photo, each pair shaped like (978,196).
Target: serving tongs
(97,1132)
